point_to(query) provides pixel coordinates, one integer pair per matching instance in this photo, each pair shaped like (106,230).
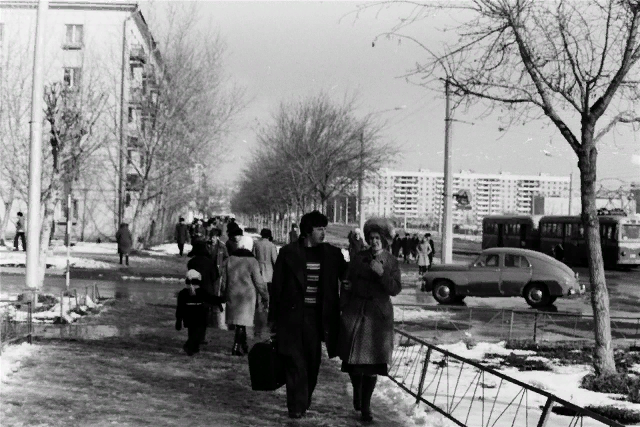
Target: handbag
(265,366)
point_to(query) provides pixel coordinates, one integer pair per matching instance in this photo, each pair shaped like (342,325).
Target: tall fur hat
(382,226)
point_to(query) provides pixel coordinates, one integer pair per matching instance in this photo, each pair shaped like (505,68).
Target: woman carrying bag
(366,327)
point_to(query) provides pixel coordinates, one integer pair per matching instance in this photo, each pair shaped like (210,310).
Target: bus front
(629,241)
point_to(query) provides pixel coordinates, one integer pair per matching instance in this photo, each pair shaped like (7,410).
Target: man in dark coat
(182,234)
(406,247)
(304,308)
(293,234)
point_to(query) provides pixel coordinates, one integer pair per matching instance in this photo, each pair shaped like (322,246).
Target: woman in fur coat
(240,283)
(366,324)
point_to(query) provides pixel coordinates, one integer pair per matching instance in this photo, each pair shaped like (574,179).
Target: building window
(72,77)
(74,37)
(130,115)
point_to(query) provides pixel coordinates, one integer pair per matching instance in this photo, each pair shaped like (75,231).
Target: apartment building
(104,46)
(419,195)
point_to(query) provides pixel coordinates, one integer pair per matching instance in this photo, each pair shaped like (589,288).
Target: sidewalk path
(141,377)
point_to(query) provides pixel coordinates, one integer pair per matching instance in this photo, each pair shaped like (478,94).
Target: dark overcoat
(366,322)
(286,298)
(124,239)
(182,233)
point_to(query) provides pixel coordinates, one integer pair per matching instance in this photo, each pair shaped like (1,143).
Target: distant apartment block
(419,195)
(105,45)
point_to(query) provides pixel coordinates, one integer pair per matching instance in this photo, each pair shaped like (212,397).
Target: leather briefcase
(265,366)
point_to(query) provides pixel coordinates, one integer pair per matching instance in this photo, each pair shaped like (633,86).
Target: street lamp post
(35,154)
(447,229)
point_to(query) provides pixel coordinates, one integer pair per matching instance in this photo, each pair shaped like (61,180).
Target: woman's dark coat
(124,239)
(207,269)
(286,296)
(366,323)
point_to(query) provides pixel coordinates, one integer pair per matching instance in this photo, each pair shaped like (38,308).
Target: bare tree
(73,115)
(183,111)
(15,86)
(569,62)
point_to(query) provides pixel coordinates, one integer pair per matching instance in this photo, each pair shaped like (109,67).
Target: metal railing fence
(446,324)
(470,394)
(15,322)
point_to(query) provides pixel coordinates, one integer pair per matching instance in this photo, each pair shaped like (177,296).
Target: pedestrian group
(306,293)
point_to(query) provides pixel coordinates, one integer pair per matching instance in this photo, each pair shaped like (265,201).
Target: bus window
(630,231)
(568,230)
(578,231)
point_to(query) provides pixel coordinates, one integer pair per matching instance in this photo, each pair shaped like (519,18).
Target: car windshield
(631,232)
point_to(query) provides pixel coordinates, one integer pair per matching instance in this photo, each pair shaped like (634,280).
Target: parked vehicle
(504,272)
(563,237)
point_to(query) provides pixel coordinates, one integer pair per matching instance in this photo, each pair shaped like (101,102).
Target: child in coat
(193,305)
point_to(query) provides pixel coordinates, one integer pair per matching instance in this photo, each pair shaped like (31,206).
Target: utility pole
(570,190)
(35,154)
(361,183)
(447,230)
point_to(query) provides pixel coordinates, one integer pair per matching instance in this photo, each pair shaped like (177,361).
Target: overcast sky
(287,50)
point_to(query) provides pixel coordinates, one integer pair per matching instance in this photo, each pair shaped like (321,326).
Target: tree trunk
(604,363)
(47,213)
(8,205)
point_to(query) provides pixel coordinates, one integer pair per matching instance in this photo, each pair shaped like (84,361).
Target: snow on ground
(561,381)
(12,356)
(56,260)
(107,248)
(415,314)
(168,249)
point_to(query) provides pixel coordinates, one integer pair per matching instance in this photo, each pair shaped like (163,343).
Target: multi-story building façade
(102,46)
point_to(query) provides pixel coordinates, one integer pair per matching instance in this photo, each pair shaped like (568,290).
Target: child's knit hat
(194,278)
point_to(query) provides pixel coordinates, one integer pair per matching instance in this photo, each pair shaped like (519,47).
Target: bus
(512,231)
(563,237)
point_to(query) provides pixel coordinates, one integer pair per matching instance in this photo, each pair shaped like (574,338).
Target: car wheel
(537,295)
(443,292)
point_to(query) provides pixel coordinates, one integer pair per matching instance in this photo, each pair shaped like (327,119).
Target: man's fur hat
(382,226)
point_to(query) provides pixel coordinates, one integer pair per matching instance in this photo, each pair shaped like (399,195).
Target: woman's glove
(377,267)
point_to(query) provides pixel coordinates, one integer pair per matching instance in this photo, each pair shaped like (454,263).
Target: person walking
(181,235)
(191,311)
(396,245)
(125,242)
(293,234)
(423,250)
(406,247)
(240,284)
(266,253)
(20,233)
(356,242)
(432,252)
(366,323)
(304,308)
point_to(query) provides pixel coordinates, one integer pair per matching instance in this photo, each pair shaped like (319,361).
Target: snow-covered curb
(69,312)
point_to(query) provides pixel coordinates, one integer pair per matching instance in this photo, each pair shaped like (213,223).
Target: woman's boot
(243,339)
(356,382)
(368,385)
(236,351)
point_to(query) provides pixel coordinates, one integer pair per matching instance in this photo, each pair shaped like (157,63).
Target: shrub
(622,415)
(619,383)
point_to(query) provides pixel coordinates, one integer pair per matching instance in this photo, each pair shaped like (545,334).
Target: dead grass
(146,380)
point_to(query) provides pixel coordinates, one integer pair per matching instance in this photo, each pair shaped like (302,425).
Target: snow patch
(414,314)
(168,249)
(11,358)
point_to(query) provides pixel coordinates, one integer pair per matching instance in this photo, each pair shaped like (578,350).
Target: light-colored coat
(240,282)
(266,253)
(424,249)
(366,321)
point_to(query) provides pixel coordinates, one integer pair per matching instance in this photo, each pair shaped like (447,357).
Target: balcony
(137,55)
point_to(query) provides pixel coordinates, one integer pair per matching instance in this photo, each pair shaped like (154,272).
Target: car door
(515,273)
(484,276)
